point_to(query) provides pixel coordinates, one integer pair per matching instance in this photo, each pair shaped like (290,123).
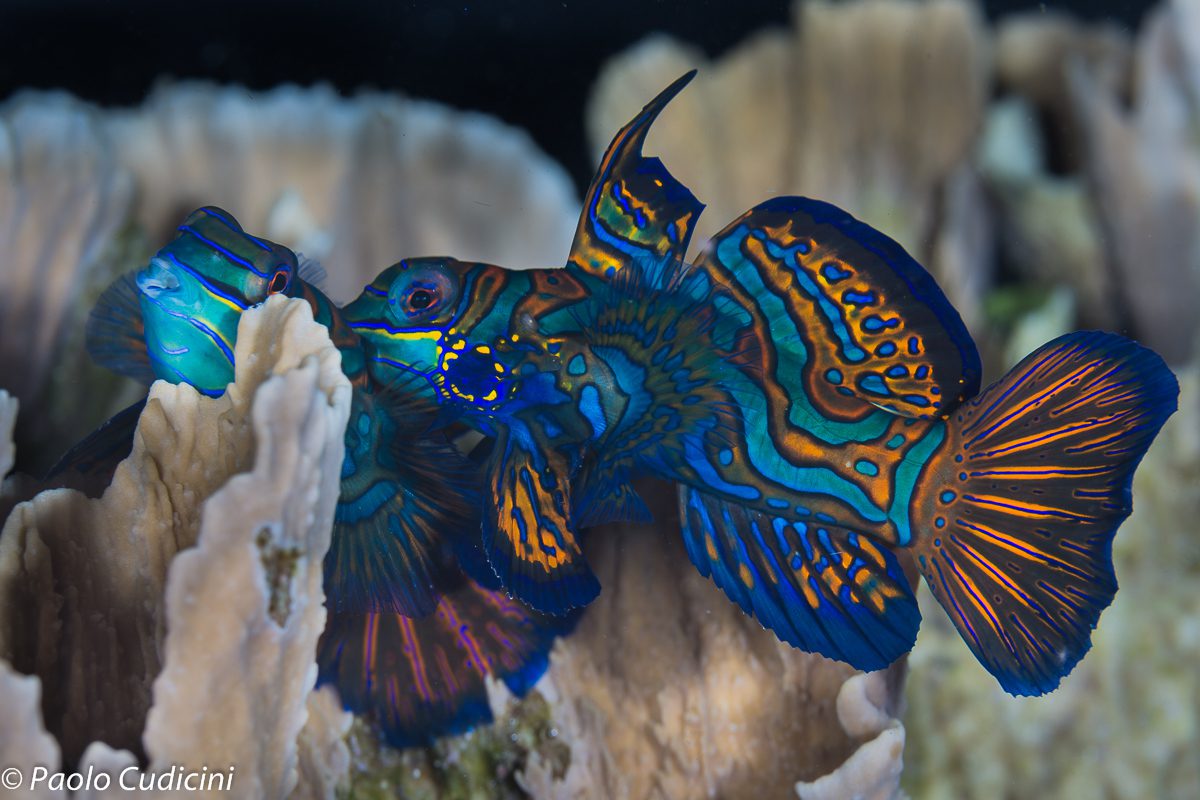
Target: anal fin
(822,589)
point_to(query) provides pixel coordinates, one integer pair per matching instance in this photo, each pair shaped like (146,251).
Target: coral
(146,614)
(873,772)
(1144,165)
(871,105)
(668,690)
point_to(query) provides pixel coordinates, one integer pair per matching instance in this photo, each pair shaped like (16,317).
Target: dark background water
(529,62)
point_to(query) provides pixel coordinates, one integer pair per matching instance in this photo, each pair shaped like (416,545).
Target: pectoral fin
(527,532)
(115,333)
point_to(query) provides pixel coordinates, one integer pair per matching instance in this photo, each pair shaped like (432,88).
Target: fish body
(410,639)
(815,396)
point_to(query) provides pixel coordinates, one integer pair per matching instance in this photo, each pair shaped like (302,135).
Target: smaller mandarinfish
(410,639)
(815,396)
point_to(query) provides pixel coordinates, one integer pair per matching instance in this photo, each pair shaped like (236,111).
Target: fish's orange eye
(279,282)
(421,299)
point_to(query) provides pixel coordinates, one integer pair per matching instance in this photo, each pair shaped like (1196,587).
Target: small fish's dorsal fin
(527,532)
(311,272)
(420,679)
(851,319)
(115,332)
(634,207)
(819,588)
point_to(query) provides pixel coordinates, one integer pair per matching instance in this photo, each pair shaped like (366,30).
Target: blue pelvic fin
(420,679)
(876,327)
(90,464)
(607,498)
(1023,499)
(821,589)
(115,332)
(527,533)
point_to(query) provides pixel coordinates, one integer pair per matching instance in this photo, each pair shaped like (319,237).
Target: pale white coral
(187,600)
(873,772)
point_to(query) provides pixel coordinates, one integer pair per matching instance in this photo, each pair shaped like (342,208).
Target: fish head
(193,292)
(416,317)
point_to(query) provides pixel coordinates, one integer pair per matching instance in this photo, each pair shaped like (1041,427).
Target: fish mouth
(157,279)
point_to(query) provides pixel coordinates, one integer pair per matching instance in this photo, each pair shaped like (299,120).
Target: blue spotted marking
(577,366)
(873,384)
(833,273)
(850,351)
(833,376)
(865,467)
(896,441)
(876,323)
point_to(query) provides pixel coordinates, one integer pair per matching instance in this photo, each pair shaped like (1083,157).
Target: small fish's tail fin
(1016,518)
(424,678)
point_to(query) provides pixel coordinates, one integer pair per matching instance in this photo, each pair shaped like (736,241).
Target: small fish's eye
(279,282)
(421,299)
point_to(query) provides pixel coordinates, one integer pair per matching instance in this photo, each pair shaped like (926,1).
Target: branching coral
(147,613)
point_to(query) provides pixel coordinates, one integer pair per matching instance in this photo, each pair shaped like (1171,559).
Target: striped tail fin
(1026,495)
(420,679)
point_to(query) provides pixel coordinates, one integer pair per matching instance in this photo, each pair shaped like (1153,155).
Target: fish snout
(157,278)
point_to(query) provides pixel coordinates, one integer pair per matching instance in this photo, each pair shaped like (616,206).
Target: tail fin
(1027,492)
(424,678)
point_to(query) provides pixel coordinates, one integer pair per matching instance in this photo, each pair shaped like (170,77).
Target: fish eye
(421,299)
(421,293)
(279,281)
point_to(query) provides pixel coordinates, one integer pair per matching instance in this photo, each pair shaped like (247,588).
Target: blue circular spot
(940,522)
(948,495)
(833,376)
(865,467)
(726,457)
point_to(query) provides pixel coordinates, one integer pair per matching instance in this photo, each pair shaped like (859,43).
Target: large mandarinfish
(410,638)
(815,396)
